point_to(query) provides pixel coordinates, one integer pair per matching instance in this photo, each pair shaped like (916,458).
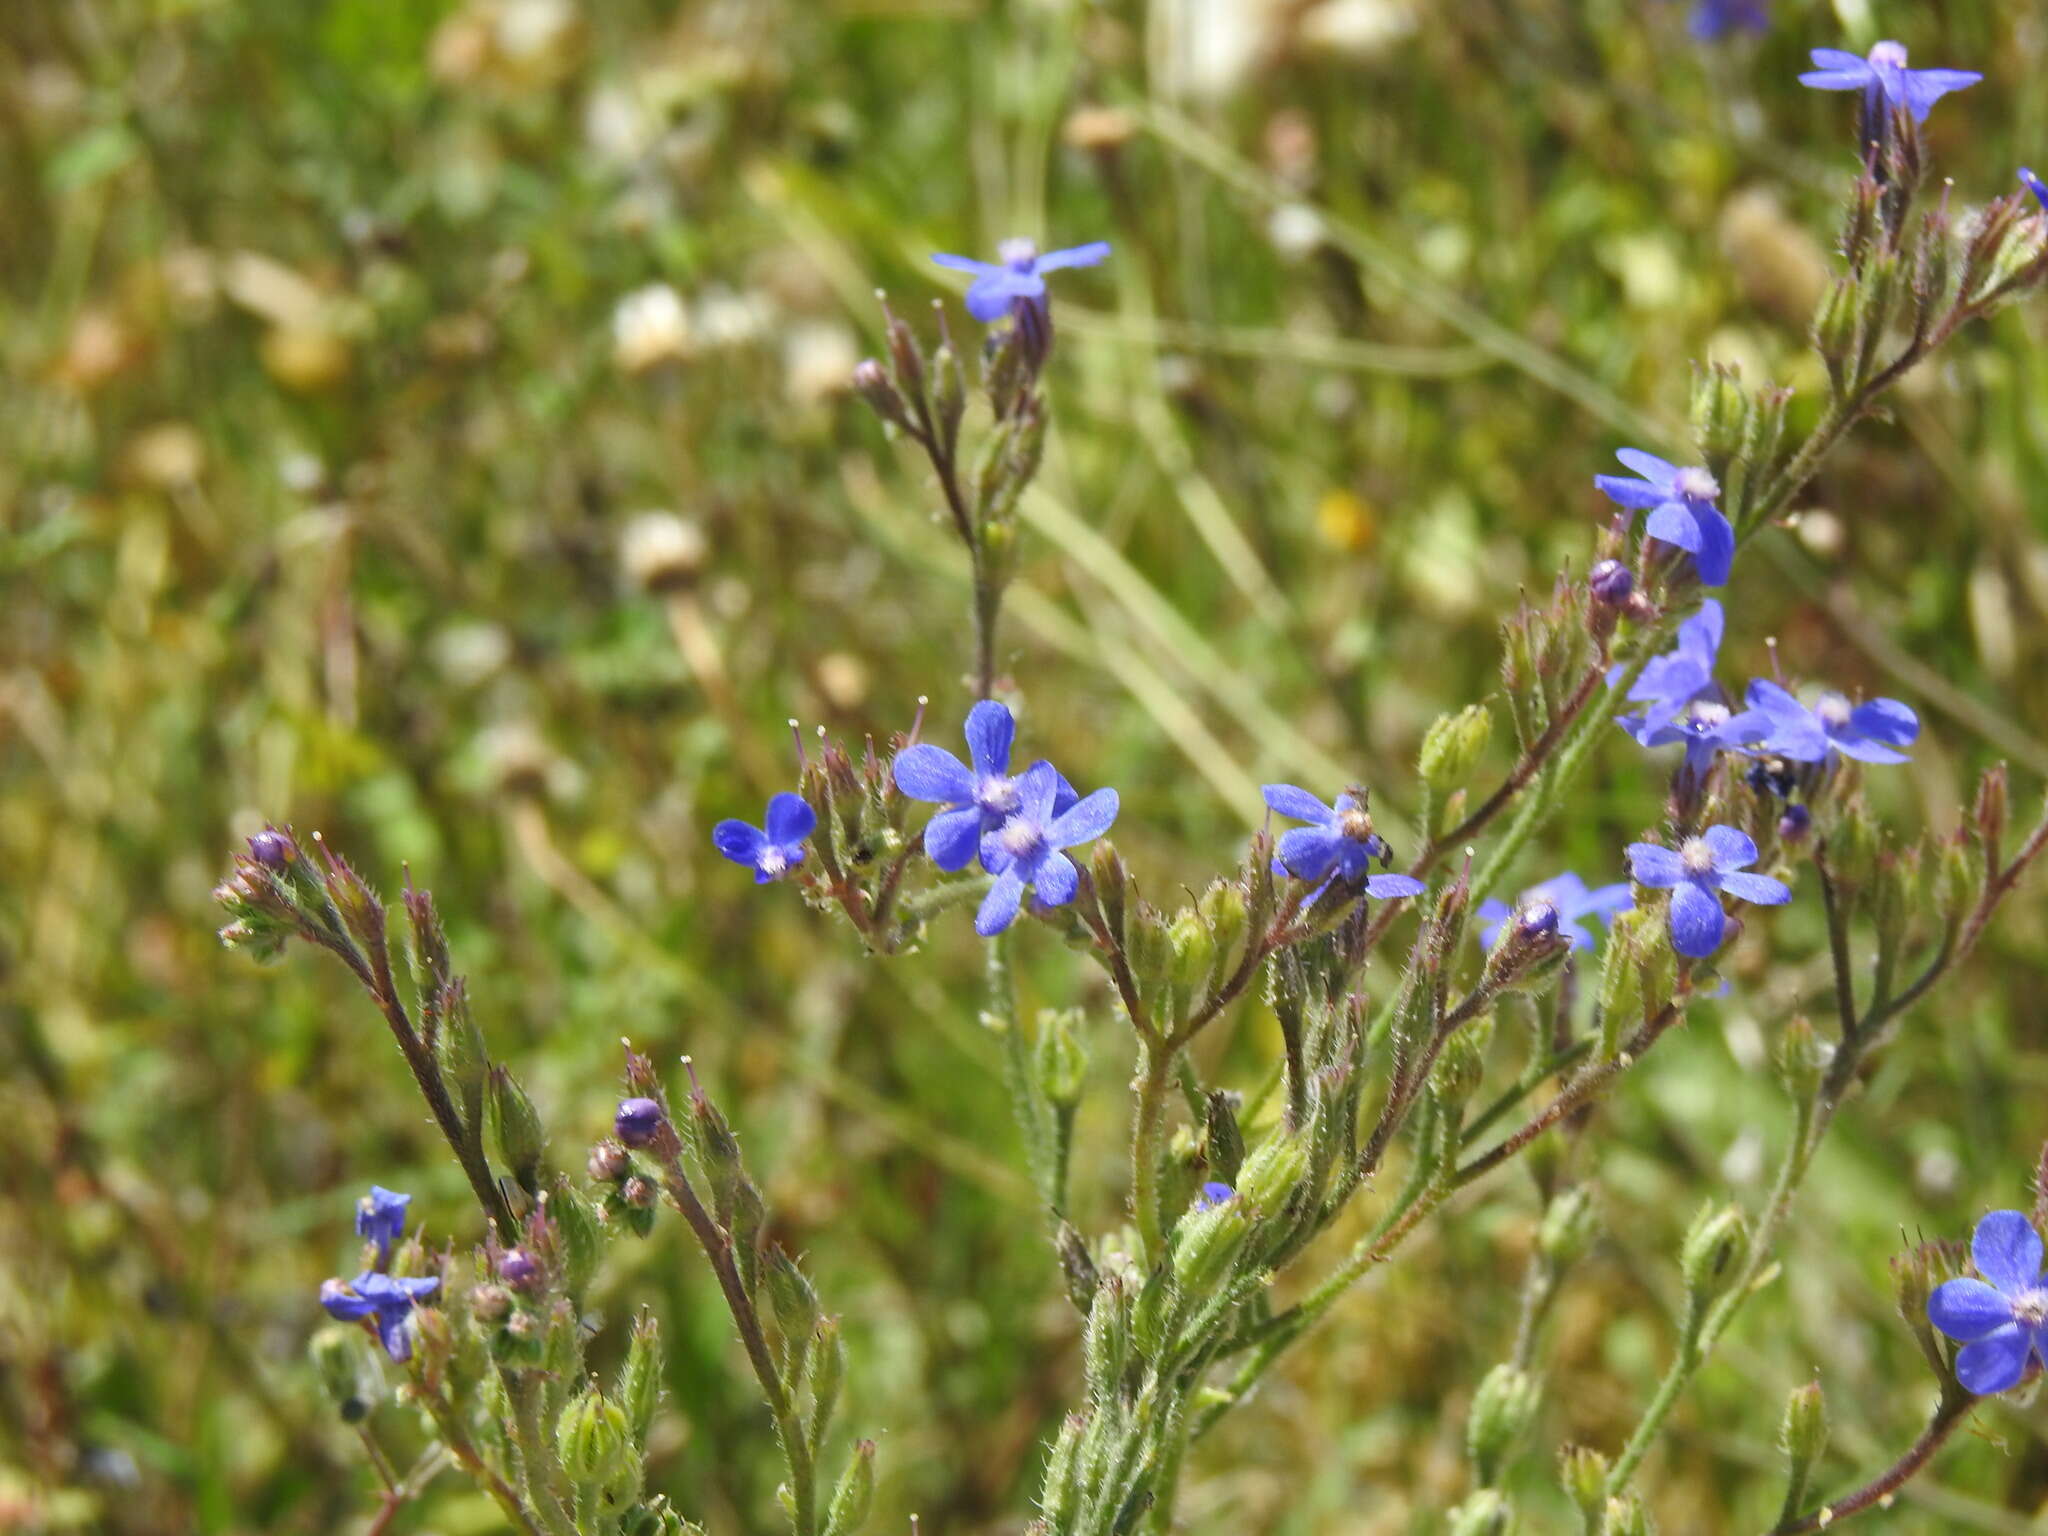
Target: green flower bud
(1062,1056)
(1452,747)
(342,1363)
(1957,875)
(855,1495)
(1801,1059)
(791,1294)
(1461,1067)
(1204,1244)
(1107,874)
(1834,329)
(1194,955)
(594,1442)
(1223,1145)
(1077,1267)
(1583,1471)
(1273,1172)
(515,1130)
(1804,1434)
(1713,1251)
(582,1235)
(1988,813)
(639,1384)
(949,390)
(1720,411)
(459,1050)
(1105,1343)
(1150,950)
(1223,908)
(1570,1224)
(1486,1513)
(825,1364)
(1626,1516)
(1502,1410)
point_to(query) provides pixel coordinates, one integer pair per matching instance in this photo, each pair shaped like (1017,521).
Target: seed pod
(855,1495)
(639,1385)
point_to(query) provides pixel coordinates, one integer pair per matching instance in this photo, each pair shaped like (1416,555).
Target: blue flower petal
(1761,889)
(1731,848)
(1653,469)
(1697,921)
(1636,495)
(1967,1310)
(738,841)
(1073,256)
(1309,853)
(1924,87)
(953,837)
(1289,800)
(991,730)
(1036,788)
(2007,1251)
(1654,866)
(1674,523)
(999,906)
(1056,881)
(1886,720)
(1995,1362)
(965,264)
(790,819)
(926,772)
(1715,557)
(1393,887)
(1084,822)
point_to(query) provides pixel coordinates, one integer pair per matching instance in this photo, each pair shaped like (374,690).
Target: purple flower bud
(608,1162)
(638,1122)
(1537,919)
(520,1270)
(1794,824)
(272,849)
(639,1193)
(869,376)
(490,1303)
(1611,582)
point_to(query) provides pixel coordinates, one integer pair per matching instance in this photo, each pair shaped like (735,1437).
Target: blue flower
(1566,899)
(380,1218)
(1338,843)
(1694,873)
(2004,1324)
(1684,673)
(1213,1194)
(773,853)
(1870,732)
(386,1300)
(1018,278)
(1883,76)
(1025,849)
(1706,726)
(1712,19)
(2035,185)
(977,799)
(1681,507)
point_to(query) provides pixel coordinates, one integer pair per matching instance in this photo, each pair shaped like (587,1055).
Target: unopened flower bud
(1804,1434)
(515,1127)
(872,382)
(521,1271)
(1611,583)
(1801,1058)
(855,1495)
(1583,1471)
(339,1359)
(1486,1513)
(490,1303)
(1502,1410)
(1570,1224)
(1795,824)
(639,1193)
(638,1122)
(1062,1057)
(1205,1243)
(1627,1516)
(274,850)
(1462,1066)
(1452,747)
(1272,1171)
(640,1378)
(593,1441)
(1713,1251)
(608,1162)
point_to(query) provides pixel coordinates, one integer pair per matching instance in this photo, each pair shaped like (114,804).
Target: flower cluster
(377,1297)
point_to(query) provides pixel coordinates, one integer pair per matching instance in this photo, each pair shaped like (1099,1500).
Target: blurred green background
(344,339)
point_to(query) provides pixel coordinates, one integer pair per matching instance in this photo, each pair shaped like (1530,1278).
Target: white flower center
(1833,710)
(1697,857)
(996,794)
(2030,1307)
(1707,717)
(1022,837)
(771,860)
(1018,255)
(1695,484)
(1890,53)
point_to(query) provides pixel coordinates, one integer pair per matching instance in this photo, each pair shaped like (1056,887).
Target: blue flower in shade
(1018,277)
(1681,507)
(1213,1194)
(386,1300)
(1883,76)
(2035,185)
(2002,1325)
(1713,19)
(1567,898)
(1695,873)
(1684,673)
(1025,849)
(380,1218)
(1870,732)
(977,799)
(1338,843)
(1706,726)
(773,853)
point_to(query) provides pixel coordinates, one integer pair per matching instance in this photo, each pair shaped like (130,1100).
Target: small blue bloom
(1681,507)
(1883,76)
(1566,898)
(383,1298)
(1714,19)
(2035,185)
(1706,726)
(2002,1325)
(1338,843)
(977,799)
(772,853)
(1684,673)
(380,1218)
(1025,849)
(1694,873)
(1018,278)
(1214,1193)
(637,1122)
(1870,732)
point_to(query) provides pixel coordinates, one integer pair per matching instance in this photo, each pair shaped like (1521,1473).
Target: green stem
(1026,1102)
(537,1467)
(1155,1081)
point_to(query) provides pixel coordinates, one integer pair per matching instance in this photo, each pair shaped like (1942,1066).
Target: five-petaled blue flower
(1681,507)
(1339,842)
(2002,1324)
(1695,872)
(1706,726)
(977,799)
(1870,732)
(1018,277)
(380,1218)
(1566,897)
(773,853)
(1213,1194)
(385,1299)
(1684,673)
(1883,76)
(1713,19)
(1025,849)
(2035,185)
